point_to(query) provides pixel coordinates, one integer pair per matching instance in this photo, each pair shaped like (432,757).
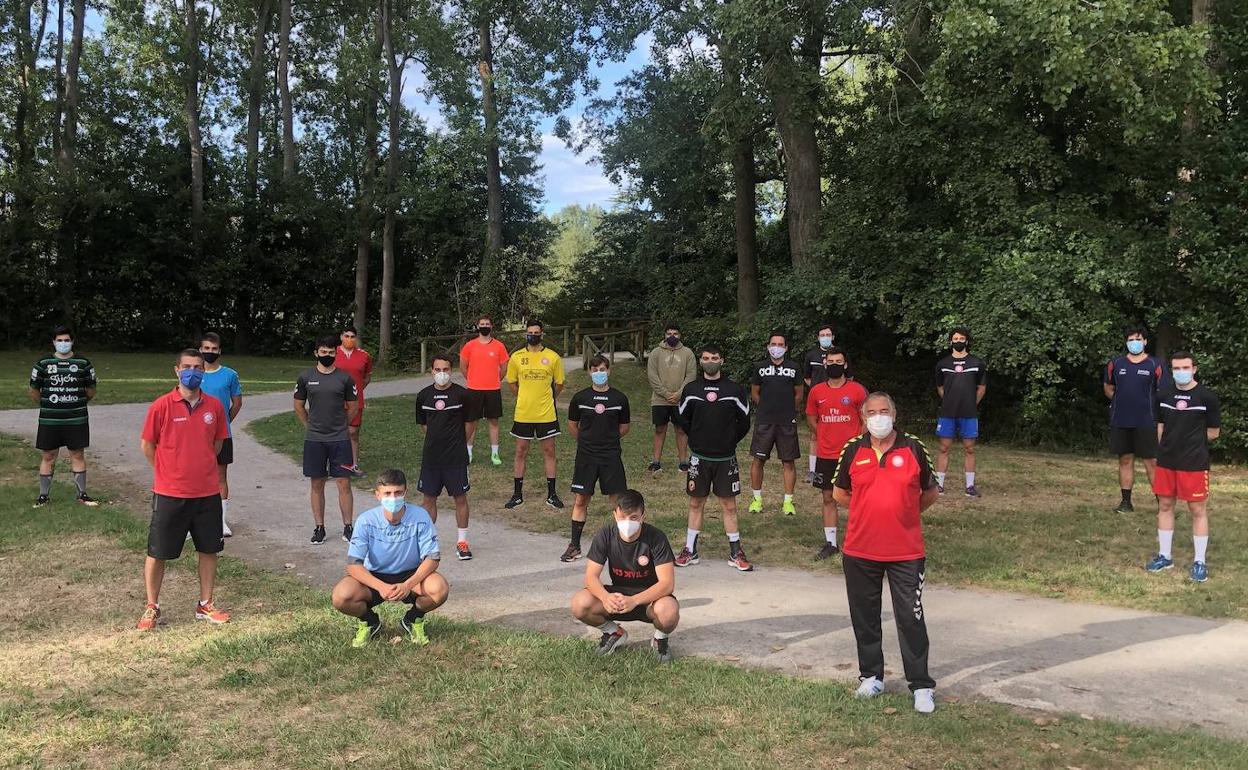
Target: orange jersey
(481,362)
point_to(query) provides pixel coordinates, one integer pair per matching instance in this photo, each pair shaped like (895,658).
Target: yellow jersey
(537,374)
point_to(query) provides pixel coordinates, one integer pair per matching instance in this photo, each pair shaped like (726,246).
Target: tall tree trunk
(255,98)
(289,160)
(60,79)
(190,45)
(67,161)
(493,167)
(365,202)
(744,214)
(395,71)
(26,55)
(69,144)
(793,82)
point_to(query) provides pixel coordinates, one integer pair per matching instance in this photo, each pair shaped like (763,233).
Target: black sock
(733,547)
(370,617)
(414,614)
(577,528)
(519,492)
(550,487)
(1126,496)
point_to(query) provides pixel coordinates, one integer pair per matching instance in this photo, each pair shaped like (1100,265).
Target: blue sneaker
(1159,563)
(1199,573)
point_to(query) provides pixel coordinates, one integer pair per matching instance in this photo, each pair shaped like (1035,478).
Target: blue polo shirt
(1135,392)
(392,548)
(223,385)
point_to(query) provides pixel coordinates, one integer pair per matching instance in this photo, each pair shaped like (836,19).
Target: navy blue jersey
(1135,392)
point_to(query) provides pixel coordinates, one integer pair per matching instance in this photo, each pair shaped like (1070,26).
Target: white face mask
(63,347)
(628,528)
(776,351)
(880,425)
(441,378)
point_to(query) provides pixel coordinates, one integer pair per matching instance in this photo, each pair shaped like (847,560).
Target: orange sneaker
(209,612)
(151,614)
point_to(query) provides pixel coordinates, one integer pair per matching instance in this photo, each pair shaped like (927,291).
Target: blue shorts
(957,427)
(327,459)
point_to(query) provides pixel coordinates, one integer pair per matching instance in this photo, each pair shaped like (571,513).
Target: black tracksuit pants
(864,583)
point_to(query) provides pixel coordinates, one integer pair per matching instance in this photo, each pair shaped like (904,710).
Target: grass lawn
(280,688)
(1044,525)
(134,377)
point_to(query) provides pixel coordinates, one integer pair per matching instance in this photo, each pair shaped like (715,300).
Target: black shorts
(663,414)
(434,480)
(73,437)
(226,455)
(607,474)
(1141,442)
(174,517)
(483,403)
(722,477)
(322,459)
(825,473)
(783,438)
(375,599)
(535,430)
(637,613)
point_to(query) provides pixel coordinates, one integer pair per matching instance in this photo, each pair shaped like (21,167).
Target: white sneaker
(869,688)
(225,528)
(925,700)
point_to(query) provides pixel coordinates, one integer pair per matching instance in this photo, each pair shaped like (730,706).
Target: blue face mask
(1183,376)
(63,347)
(1135,347)
(190,378)
(599,378)
(392,504)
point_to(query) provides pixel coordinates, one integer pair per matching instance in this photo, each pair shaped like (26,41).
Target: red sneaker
(151,614)
(740,562)
(209,612)
(686,558)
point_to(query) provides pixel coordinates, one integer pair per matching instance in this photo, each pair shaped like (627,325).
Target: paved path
(1039,653)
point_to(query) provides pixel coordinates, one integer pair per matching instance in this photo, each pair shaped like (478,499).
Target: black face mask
(484,331)
(835,371)
(959,346)
(326,361)
(210,358)
(533,339)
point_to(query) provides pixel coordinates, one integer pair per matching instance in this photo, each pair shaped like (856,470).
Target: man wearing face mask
(1189,416)
(484,362)
(639,558)
(349,357)
(440,409)
(535,375)
(182,434)
(885,479)
(715,413)
(776,390)
(814,373)
(834,414)
(961,381)
(221,382)
(670,367)
(325,403)
(598,417)
(393,557)
(62,384)
(1131,383)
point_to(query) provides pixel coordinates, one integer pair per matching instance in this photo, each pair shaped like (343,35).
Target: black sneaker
(318,535)
(972,492)
(661,650)
(1125,507)
(684,466)
(654,467)
(827,551)
(940,489)
(515,502)
(571,554)
(553,501)
(608,642)
(462,552)
(40,501)
(87,500)
(346,533)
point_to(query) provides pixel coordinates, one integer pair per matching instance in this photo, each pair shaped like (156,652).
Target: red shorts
(358,418)
(1188,486)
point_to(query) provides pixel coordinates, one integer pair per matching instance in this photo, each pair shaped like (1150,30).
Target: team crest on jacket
(1180,405)
(440,404)
(599,408)
(545,362)
(957,368)
(643,560)
(898,461)
(845,400)
(712,396)
(208,418)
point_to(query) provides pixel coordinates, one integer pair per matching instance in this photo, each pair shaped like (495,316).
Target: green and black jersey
(62,384)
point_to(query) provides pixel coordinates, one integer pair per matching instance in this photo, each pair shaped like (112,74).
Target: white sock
(494,448)
(970,478)
(225,506)
(758,494)
(829,534)
(734,537)
(470,453)
(462,534)
(1164,538)
(940,478)
(660,634)
(610,627)
(691,539)
(812,463)
(1200,542)
(788,498)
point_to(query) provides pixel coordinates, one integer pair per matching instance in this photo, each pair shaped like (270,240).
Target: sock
(225,506)
(812,463)
(1126,496)
(788,498)
(734,537)
(370,618)
(461,534)
(734,543)
(1164,539)
(470,453)
(1201,543)
(660,634)
(577,528)
(691,540)
(80,481)
(829,534)
(493,449)
(970,478)
(45,484)
(550,487)
(940,478)
(519,492)
(610,627)
(414,614)
(758,494)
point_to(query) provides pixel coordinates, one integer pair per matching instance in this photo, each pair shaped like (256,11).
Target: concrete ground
(1043,654)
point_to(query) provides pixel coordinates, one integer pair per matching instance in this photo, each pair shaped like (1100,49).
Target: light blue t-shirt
(392,548)
(223,385)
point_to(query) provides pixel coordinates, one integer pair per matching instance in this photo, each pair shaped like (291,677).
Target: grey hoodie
(669,370)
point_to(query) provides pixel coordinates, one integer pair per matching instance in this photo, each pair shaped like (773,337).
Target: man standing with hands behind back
(326,402)
(961,384)
(355,361)
(484,362)
(670,367)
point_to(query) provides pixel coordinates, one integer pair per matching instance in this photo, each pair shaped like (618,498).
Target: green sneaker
(365,633)
(788,508)
(756,505)
(495,459)
(415,631)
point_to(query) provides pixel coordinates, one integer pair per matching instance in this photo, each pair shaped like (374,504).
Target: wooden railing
(608,343)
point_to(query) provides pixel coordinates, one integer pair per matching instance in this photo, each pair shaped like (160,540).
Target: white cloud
(571,178)
(415,96)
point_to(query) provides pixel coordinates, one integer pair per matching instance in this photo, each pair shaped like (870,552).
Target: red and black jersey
(1186,416)
(884,508)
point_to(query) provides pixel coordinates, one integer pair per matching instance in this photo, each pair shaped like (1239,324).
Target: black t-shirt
(1186,415)
(325,396)
(599,417)
(960,377)
(442,411)
(631,565)
(777,385)
(814,367)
